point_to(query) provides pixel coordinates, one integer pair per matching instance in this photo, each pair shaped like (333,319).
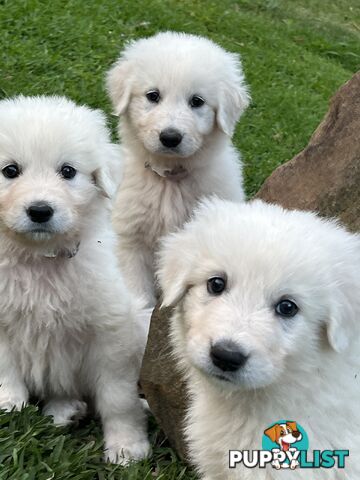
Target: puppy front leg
(294,462)
(276,463)
(13,392)
(123,419)
(137,266)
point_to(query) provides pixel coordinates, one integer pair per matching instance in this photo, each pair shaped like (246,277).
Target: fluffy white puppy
(179,97)
(67,322)
(266,326)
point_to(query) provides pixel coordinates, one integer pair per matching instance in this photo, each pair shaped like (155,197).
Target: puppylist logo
(285,445)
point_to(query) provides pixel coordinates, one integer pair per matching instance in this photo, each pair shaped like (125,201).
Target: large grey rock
(324,177)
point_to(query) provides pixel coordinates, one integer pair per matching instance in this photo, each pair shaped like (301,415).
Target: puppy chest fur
(161,206)
(38,308)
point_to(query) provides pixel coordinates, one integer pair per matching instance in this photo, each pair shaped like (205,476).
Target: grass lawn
(295,54)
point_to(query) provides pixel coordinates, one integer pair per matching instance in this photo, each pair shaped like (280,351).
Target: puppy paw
(294,464)
(125,451)
(12,402)
(65,411)
(276,464)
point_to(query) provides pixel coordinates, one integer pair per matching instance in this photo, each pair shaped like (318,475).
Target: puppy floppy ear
(342,324)
(339,327)
(174,268)
(292,425)
(108,176)
(119,85)
(272,433)
(234,97)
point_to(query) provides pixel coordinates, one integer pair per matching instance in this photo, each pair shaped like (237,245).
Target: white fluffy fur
(67,325)
(306,368)
(148,204)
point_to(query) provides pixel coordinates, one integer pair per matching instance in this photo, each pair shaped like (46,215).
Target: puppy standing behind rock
(67,322)
(179,97)
(266,326)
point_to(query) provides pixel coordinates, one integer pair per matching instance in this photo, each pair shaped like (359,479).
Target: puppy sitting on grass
(179,97)
(67,322)
(266,326)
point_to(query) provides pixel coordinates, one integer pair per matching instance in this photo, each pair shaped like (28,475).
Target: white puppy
(179,97)
(266,326)
(66,320)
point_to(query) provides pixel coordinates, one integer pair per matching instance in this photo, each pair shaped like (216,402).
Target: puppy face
(256,287)
(284,434)
(54,164)
(171,125)
(175,89)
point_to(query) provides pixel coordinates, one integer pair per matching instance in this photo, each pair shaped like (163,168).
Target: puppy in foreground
(266,326)
(66,319)
(179,97)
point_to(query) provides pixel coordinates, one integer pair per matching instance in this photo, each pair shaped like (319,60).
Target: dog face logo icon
(285,438)
(284,434)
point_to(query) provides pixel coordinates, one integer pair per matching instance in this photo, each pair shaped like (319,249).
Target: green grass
(295,54)
(32,448)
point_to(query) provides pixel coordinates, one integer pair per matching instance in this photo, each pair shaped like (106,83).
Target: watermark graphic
(285,445)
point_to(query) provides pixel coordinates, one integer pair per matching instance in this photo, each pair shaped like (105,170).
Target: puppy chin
(49,244)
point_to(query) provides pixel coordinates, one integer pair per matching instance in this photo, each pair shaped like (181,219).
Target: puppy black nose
(170,137)
(40,212)
(227,356)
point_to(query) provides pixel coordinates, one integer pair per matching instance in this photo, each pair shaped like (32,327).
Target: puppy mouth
(285,446)
(39,234)
(39,230)
(240,379)
(223,382)
(221,378)
(218,376)
(170,152)
(36,233)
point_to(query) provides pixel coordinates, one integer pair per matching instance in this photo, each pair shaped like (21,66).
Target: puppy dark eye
(196,101)
(11,171)
(68,172)
(153,96)
(286,308)
(216,285)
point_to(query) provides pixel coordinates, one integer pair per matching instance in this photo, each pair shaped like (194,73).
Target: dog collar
(175,175)
(63,252)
